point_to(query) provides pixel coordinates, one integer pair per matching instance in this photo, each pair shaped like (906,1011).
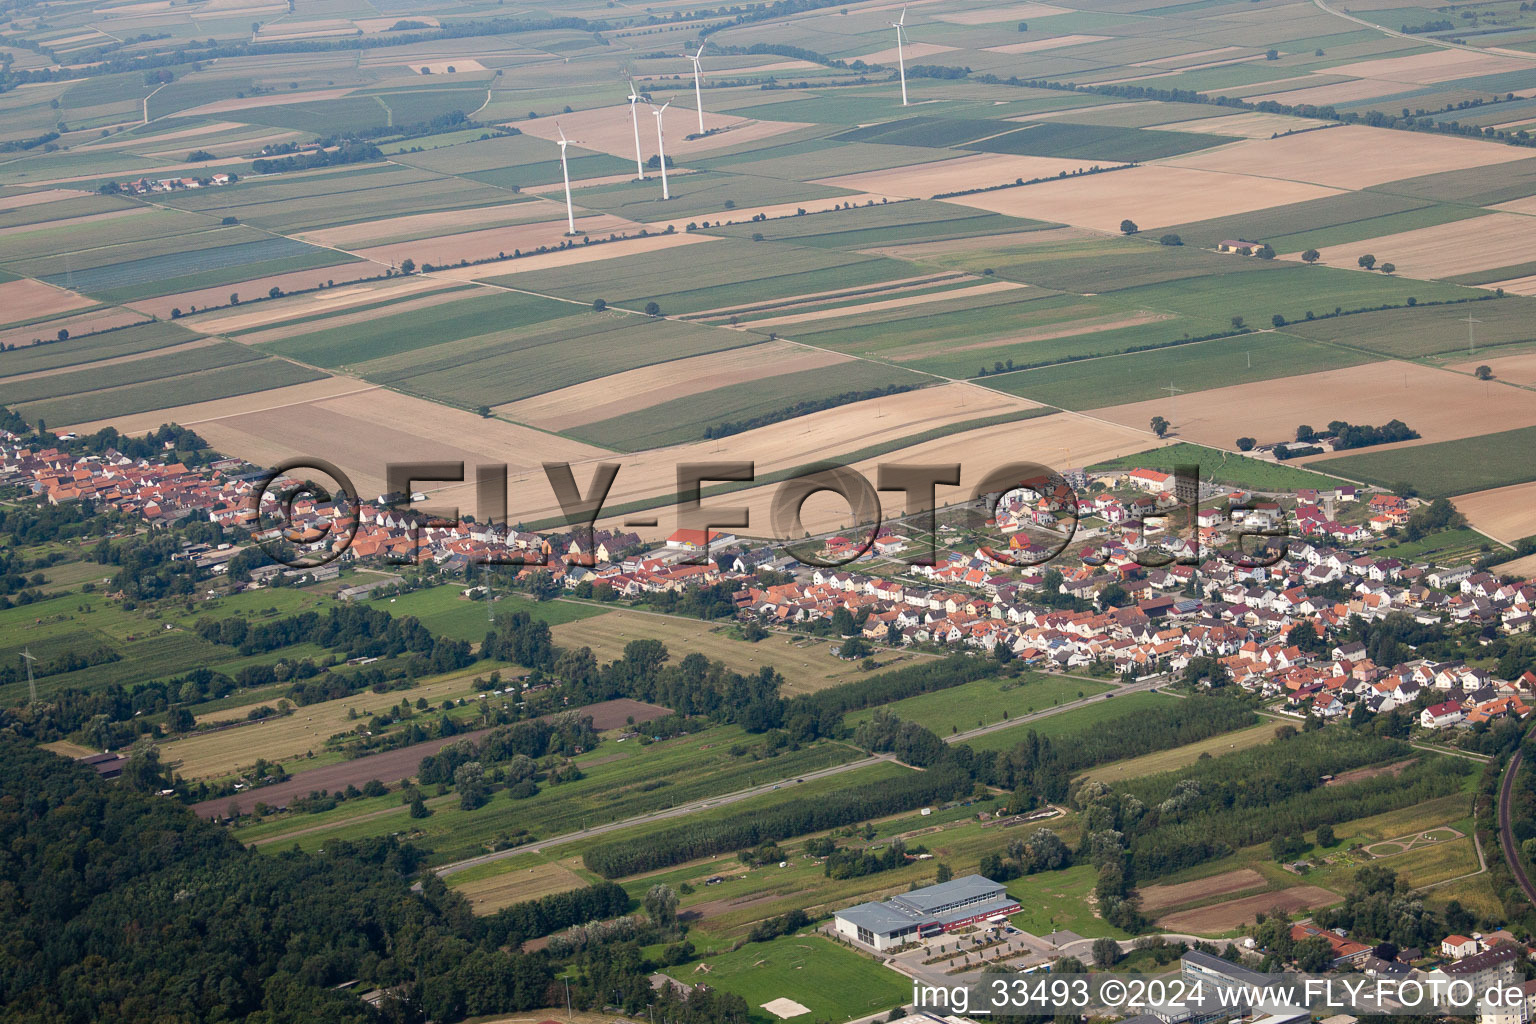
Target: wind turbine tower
(901,67)
(698,95)
(661,149)
(634,116)
(29,657)
(570,214)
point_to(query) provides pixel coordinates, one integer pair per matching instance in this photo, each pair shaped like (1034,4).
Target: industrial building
(924,912)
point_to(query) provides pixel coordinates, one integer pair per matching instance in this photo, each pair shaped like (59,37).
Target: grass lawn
(1056,900)
(1073,723)
(1178,757)
(983,701)
(1223,467)
(832,981)
(442,610)
(1448,467)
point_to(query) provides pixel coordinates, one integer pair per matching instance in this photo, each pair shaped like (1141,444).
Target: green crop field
(52,239)
(506,365)
(63,210)
(1330,213)
(417,329)
(1096,142)
(718,274)
(134,371)
(686,419)
(985,702)
(1422,331)
(92,348)
(833,982)
(881,224)
(443,610)
(1077,722)
(68,267)
(1222,467)
(693,195)
(225,382)
(641,778)
(1448,467)
(1106,264)
(1116,380)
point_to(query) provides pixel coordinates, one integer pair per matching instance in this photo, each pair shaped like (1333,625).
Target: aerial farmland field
(546,505)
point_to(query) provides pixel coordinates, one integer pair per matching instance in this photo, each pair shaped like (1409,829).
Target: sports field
(832,982)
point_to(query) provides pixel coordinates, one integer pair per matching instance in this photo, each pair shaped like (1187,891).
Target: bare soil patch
(1300,94)
(1233,914)
(264,100)
(1350,157)
(1154,195)
(479,245)
(1370,772)
(1438,65)
(1444,250)
(614,714)
(1503,513)
(26,299)
(52,195)
(1369,393)
(290,307)
(611,129)
(575,255)
(919,181)
(642,388)
(1160,897)
(896,303)
(375,232)
(488,895)
(341,273)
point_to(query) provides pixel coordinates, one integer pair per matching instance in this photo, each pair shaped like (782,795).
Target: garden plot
(1348,157)
(1151,195)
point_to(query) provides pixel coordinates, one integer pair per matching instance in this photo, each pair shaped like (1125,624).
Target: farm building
(924,912)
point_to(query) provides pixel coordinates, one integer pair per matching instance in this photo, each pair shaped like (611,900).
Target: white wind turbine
(570,214)
(698,96)
(900,26)
(661,150)
(634,116)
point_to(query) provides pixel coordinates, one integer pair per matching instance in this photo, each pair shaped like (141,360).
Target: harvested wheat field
(779,446)
(446,67)
(573,256)
(170,350)
(77,326)
(340,273)
(26,299)
(1161,897)
(1194,58)
(1525,205)
(1323,95)
(1154,195)
(1445,250)
(51,195)
(1254,125)
(486,244)
(1515,285)
(1060,440)
(1370,393)
(772,211)
(1350,156)
(1513,369)
(1523,568)
(895,303)
(1053,43)
(362,431)
(912,51)
(1440,65)
(611,130)
(292,396)
(1503,513)
(1073,328)
(438,222)
(622,393)
(919,181)
(291,307)
(992,15)
(490,894)
(264,100)
(1233,914)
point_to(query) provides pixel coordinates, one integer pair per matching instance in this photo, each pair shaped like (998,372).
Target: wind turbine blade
(561,131)
(700,53)
(903,19)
